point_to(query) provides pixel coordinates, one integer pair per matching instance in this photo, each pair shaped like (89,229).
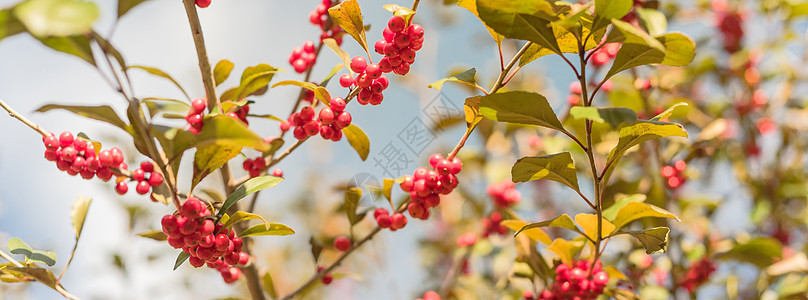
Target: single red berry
(342,243)
(312,127)
(373,71)
(402,69)
(457,165)
(66,139)
(300,65)
(364,96)
(198,105)
(277,173)
(326,131)
(401,40)
(337,104)
(346,80)
(384,221)
(138,175)
(407,184)
(117,156)
(396,24)
(391,50)
(300,133)
(388,34)
(147,166)
(307,113)
(343,119)
(358,64)
(155,179)
(398,220)
(415,31)
(121,188)
(203,3)
(326,116)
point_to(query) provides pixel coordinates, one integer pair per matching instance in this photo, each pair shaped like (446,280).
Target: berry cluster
(698,273)
(369,78)
(577,282)
(203,3)
(385,220)
(730,24)
(254,166)
(492,225)
(602,55)
(79,156)
(674,174)
(302,58)
(319,16)
(196,114)
(146,178)
(425,186)
(329,122)
(207,242)
(504,193)
(398,45)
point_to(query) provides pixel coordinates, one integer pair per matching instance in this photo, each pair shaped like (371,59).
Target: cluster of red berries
(698,273)
(602,55)
(674,174)
(493,225)
(385,220)
(78,156)
(369,78)
(203,3)
(730,24)
(254,166)
(425,186)
(342,243)
(196,115)
(304,57)
(504,193)
(146,178)
(193,231)
(577,282)
(329,122)
(319,16)
(398,45)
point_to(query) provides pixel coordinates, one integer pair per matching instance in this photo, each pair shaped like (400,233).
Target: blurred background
(113,263)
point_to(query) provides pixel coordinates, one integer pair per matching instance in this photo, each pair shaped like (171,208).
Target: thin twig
(451,276)
(202,53)
(11,259)
(24,120)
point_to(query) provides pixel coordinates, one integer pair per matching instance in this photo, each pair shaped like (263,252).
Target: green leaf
(218,130)
(244,216)
(157,235)
(9,24)
(346,59)
(125,5)
(272,229)
(761,252)
(653,239)
(109,50)
(222,70)
(352,196)
(668,112)
(652,20)
(348,16)
(639,48)
(45,18)
(622,200)
(606,10)
(471,107)
(181,258)
(556,167)
(160,73)
(331,74)
(465,77)
(679,49)
(157,105)
(635,210)
(563,221)
(17,246)
(523,20)
(78,213)
(102,113)
(210,157)
(306,85)
(269,285)
(251,186)
(614,116)
(521,108)
(358,140)
(644,131)
(254,81)
(471,5)
(567,39)
(77,45)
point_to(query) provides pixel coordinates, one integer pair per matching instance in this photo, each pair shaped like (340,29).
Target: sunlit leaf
(181,258)
(244,216)
(471,5)
(466,77)
(562,221)
(636,210)
(589,224)
(523,20)
(157,235)
(251,186)
(762,252)
(653,239)
(78,213)
(272,229)
(222,70)
(348,16)
(614,116)
(521,108)
(535,234)
(59,18)
(358,140)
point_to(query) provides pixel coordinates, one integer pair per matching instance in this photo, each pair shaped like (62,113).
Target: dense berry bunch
(385,220)
(398,45)
(493,225)
(146,178)
(79,156)
(304,57)
(425,186)
(674,174)
(203,3)
(319,16)
(196,114)
(577,282)
(504,194)
(329,122)
(207,242)
(369,78)
(254,166)
(602,55)
(698,273)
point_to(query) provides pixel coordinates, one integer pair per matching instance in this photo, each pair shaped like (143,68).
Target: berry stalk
(14,114)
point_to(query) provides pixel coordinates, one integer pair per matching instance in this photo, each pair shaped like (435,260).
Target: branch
(202,54)
(24,120)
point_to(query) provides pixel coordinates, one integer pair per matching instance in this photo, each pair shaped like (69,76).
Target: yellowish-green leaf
(566,250)
(254,80)
(606,10)
(535,234)
(352,196)
(616,117)
(636,210)
(273,229)
(466,77)
(222,70)
(621,201)
(346,59)
(78,213)
(348,16)
(323,95)
(60,18)
(387,187)
(653,239)
(358,140)
(9,24)
(652,20)
(244,216)
(209,158)
(269,285)
(562,221)
(523,20)
(306,85)
(472,111)
(400,11)
(556,167)
(521,108)
(157,235)
(471,5)
(589,223)
(643,131)
(762,252)
(251,186)
(679,49)
(615,273)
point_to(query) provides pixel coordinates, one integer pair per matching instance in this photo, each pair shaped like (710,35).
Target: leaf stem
(14,114)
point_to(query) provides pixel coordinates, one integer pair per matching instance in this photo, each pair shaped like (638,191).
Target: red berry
(66,139)
(326,116)
(243,258)
(384,221)
(307,113)
(277,173)
(407,184)
(138,175)
(457,165)
(343,119)
(231,274)
(121,188)
(300,65)
(373,71)
(358,64)
(379,46)
(396,24)
(155,179)
(346,80)
(401,40)
(402,69)
(203,3)
(398,221)
(415,31)
(308,46)
(198,105)
(147,166)
(117,156)
(337,104)
(300,133)
(342,243)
